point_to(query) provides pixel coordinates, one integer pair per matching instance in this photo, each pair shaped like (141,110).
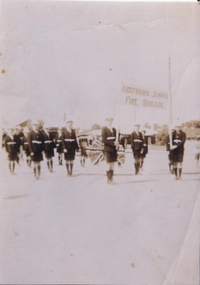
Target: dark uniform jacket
(136,142)
(25,144)
(69,141)
(59,144)
(35,141)
(11,144)
(18,141)
(144,149)
(109,138)
(48,143)
(181,138)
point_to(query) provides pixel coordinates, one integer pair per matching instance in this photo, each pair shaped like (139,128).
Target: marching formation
(37,142)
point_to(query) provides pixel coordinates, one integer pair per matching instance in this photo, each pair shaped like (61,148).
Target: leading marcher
(35,144)
(11,147)
(178,141)
(136,146)
(109,140)
(70,145)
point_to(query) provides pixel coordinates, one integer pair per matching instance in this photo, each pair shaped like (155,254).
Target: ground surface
(143,230)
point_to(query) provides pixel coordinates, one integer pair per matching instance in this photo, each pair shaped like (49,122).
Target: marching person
(178,141)
(144,149)
(136,146)
(70,145)
(18,143)
(25,147)
(197,155)
(59,146)
(170,153)
(11,147)
(48,148)
(35,144)
(110,148)
(83,143)
(21,135)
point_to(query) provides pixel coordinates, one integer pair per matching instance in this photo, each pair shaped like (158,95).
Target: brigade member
(83,143)
(21,135)
(197,155)
(110,142)
(144,149)
(59,147)
(170,153)
(35,144)
(18,143)
(70,145)
(11,147)
(25,147)
(178,141)
(4,135)
(136,146)
(48,148)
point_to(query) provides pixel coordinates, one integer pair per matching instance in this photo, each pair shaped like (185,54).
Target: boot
(17,159)
(34,171)
(71,169)
(175,171)
(13,168)
(111,176)
(180,172)
(39,170)
(9,165)
(136,169)
(68,172)
(48,164)
(108,176)
(51,165)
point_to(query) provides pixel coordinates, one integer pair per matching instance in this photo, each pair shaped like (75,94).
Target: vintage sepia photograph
(100,129)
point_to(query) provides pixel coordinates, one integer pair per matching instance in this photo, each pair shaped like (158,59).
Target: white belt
(136,140)
(11,143)
(47,141)
(69,140)
(176,140)
(38,142)
(111,138)
(25,143)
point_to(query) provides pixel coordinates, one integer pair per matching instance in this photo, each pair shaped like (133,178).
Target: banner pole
(170,107)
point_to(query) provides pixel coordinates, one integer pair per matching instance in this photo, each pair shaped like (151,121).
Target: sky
(76,57)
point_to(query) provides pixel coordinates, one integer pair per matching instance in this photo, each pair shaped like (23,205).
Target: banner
(145,98)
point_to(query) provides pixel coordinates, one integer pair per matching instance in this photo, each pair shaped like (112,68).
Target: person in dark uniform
(4,135)
(136,146)
(83,143)
(21,135)
(70,145)
(18,144)
(25,147)
(170,153)
(109,140)
(178,141)
(48,148)
(144,149)
(35,144)
(11,147)
(59,146)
